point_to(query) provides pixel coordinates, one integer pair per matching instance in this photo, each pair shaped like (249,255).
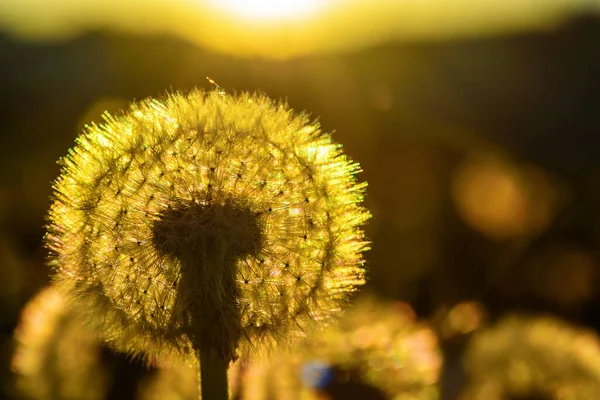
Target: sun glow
(269,9)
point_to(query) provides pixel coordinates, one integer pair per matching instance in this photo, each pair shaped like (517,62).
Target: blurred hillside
(413,114)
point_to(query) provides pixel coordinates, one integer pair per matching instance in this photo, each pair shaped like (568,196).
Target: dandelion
(176,382)
(376,345)
(206,225)
(539,357)
(56,357)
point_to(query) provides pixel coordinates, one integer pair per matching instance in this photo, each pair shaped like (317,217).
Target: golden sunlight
(269,9)
(284,28)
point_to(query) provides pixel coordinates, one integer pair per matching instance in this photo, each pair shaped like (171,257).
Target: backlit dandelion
(375,343)
(56,357)
(539,357)
(207,223)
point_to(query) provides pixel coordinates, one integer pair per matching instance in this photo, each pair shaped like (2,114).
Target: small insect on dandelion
(206,224)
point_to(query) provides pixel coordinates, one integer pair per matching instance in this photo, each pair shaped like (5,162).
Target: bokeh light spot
(501,199)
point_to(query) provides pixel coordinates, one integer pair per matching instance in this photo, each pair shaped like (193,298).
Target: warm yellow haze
(284,29)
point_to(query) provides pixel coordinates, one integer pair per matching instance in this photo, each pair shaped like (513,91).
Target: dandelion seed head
(527,357)
(378,341)
(56,356)
(207,220)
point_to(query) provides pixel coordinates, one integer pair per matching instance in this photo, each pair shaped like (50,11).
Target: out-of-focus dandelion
(56,356)
(175,382)
(543,357)
(376,343)
(207,223)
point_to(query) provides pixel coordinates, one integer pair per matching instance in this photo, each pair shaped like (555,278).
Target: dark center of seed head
(211,232)
(208,239)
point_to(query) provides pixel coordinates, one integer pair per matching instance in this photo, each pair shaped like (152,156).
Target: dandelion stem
(213,377)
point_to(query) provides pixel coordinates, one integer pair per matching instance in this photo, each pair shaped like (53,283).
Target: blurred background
(476,124)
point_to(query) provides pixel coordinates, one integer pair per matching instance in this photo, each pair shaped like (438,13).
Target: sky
(281,29)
